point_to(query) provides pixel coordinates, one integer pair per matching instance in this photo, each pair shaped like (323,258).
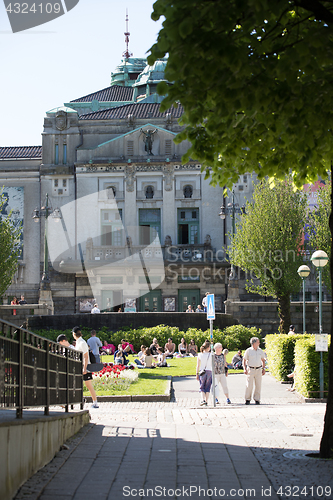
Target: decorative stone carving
(168,241)
(129,178)
(61,120)
(168,177)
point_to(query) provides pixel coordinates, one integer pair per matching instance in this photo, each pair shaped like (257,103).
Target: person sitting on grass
(146,361)
(170,348)
(153,348)
(161,361)
(120,356)
(108,348)
(127,347)
(192,348)
(237,360)
(182,347)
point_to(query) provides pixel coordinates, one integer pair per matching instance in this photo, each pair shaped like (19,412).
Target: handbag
(92,358)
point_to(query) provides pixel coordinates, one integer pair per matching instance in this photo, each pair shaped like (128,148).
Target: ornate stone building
(137,227)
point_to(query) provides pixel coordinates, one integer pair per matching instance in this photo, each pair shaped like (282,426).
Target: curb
(166,397)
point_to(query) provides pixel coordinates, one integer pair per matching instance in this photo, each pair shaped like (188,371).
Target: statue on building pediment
(148,139)
(168,177)
(61,120)
(129,178)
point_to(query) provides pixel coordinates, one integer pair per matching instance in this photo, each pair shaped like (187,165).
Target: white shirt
(95,310)
(254,357)
(205,360)
(81,345)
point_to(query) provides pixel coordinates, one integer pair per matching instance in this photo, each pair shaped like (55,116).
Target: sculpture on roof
(149,139)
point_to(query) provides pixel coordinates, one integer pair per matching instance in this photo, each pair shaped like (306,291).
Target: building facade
(136,228)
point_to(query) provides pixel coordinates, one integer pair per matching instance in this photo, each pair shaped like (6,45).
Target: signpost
(211,317)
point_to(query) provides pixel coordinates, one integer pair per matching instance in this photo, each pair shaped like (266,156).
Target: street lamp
(232,209)
(37,214)
(320,259)
(303,272)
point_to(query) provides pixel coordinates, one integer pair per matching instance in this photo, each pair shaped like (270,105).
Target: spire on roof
(127,54)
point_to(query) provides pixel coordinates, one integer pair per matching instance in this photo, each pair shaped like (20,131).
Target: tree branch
(320,12)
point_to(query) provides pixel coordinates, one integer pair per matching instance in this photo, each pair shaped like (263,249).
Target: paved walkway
(181,450)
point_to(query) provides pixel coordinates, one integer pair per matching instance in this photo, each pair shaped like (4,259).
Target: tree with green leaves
(268,243)
(319,232)
(9,248)
(255,80)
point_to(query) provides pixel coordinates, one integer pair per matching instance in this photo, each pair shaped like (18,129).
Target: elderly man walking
(254,369)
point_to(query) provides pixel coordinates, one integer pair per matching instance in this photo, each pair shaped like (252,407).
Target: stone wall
(116,321)
(22,312)
(264,315)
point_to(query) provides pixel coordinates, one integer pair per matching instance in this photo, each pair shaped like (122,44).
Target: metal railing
(36,372)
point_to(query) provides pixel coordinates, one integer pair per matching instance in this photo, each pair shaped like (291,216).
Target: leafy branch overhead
(255,79)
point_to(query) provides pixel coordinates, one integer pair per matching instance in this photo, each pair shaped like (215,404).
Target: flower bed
(114,377)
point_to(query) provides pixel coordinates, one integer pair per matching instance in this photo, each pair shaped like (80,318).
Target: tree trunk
(326,444)
(284,313)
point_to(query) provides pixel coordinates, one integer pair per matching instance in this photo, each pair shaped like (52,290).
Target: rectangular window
(294,297)
(188,226)
(64,183)
(112,230)
(150,225)
(56,155)
(64,159)
(308,297)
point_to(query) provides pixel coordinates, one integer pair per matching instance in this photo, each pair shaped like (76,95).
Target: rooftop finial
(127,53)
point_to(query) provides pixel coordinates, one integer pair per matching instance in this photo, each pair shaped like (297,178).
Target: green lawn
(154,380)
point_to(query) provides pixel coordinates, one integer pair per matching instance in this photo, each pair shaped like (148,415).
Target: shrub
(280,353)
(232,337)
(307,367)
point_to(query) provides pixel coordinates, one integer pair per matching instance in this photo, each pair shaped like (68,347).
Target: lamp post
(37,214)
(303,272)
(319,259)
(232,209)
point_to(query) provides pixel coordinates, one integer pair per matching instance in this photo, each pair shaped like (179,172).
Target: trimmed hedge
(280,353)
(233,337)
(307,367)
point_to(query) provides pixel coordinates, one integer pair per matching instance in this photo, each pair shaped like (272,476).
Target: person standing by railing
(81,345)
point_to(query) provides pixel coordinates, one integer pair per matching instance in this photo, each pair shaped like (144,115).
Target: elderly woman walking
(204,371)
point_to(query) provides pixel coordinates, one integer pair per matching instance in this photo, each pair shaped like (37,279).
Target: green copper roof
(127,71)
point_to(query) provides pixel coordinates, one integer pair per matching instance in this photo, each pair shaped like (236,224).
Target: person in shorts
(81,345)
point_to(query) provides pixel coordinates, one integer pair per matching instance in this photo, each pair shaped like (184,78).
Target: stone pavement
(181,450)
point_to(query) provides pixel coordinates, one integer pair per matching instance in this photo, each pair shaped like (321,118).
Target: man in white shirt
(95,309)
(254,369)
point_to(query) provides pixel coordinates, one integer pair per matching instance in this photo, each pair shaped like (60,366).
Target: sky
(69,57)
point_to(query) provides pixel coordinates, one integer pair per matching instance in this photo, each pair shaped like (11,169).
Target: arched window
(149,192)
(188,191)
(111,190)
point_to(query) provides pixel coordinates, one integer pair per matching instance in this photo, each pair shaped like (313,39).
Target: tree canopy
(255,80)
(268,243)
(254,77)
(319,232)
(9,249)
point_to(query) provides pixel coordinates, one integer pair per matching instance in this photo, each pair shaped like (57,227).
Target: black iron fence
(36,372)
